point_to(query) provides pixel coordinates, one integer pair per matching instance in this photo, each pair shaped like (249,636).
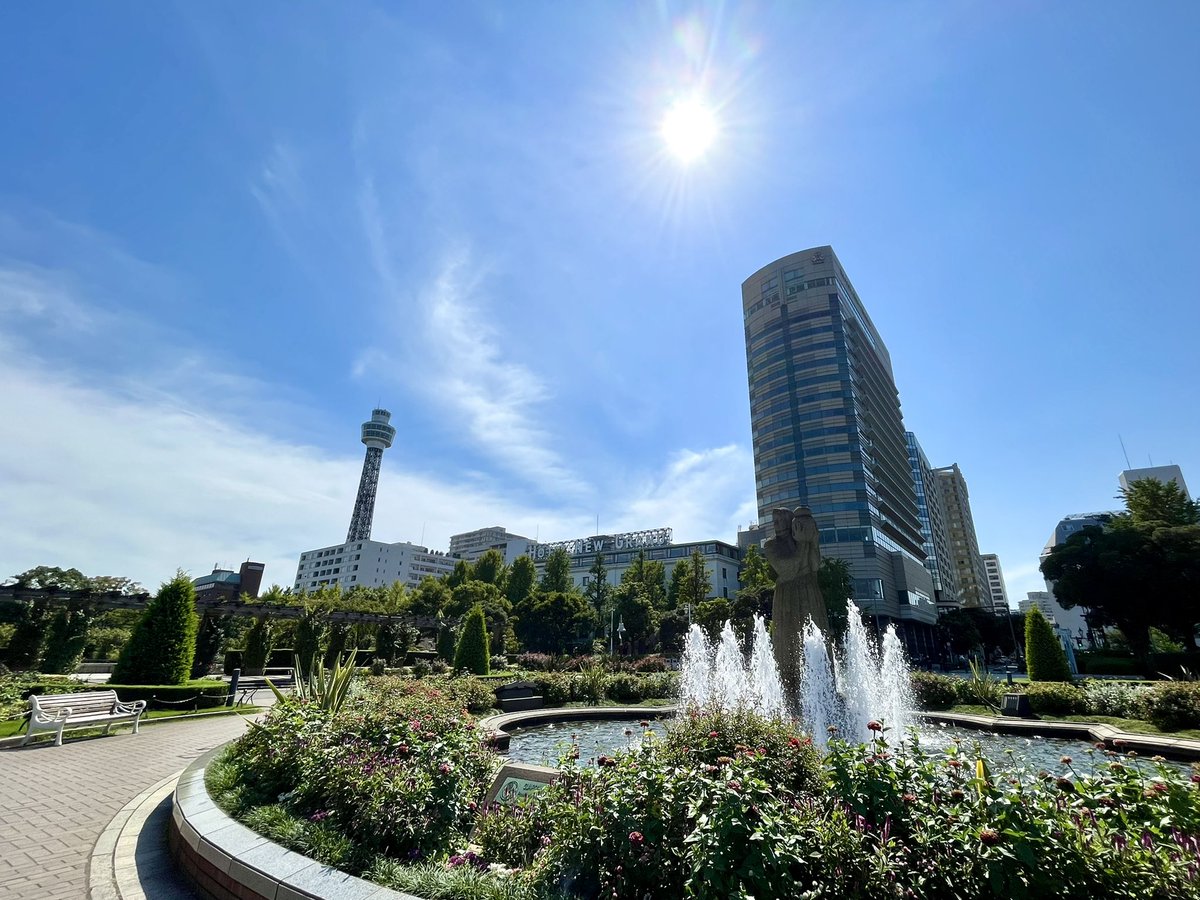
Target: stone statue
(795,554)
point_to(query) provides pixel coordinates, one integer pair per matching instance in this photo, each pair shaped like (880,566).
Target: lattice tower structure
(378,435)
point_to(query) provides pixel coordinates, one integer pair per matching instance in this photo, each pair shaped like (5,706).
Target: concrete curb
(122,866)
(1144,744)
(224,860)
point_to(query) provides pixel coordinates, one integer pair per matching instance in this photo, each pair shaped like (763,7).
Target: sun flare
(689,128)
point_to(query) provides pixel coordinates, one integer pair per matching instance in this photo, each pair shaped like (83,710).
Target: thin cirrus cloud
(454,361)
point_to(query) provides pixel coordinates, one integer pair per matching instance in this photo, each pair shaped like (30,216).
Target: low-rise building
(471,545)
(370,564)
(226,585)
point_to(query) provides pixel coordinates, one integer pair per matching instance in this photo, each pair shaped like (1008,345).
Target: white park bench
(87,709)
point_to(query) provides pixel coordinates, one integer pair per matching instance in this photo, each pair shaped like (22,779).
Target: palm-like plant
(329,688)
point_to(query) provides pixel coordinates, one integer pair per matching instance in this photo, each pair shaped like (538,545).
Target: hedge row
(558,688)
(1168,705)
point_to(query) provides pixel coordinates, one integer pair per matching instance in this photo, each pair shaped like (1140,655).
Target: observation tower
(378,435)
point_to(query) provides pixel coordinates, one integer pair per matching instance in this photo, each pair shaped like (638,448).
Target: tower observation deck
(378,435)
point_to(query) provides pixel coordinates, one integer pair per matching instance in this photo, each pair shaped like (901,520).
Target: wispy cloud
(456,362)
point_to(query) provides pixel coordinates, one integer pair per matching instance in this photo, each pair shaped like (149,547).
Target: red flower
(989,837)
(794,742)
(444,768)
(1118,743)
(636,838)
(874,726)
(712,734)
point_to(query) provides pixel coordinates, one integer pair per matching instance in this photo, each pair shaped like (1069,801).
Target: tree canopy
(1139,571)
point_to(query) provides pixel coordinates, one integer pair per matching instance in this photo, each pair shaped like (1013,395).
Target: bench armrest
(135,707)
(42,716)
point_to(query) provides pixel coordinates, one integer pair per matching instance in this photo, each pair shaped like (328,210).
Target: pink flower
(636,838)
(444,768)
(712,734)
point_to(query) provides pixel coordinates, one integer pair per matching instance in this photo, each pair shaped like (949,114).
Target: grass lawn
(1136,726)
(10,727)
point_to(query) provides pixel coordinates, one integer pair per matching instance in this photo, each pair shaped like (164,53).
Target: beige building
(964,545)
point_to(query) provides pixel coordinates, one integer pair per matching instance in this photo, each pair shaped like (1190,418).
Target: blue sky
(228,230)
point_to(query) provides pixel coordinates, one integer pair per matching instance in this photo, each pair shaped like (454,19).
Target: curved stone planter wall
(224,860)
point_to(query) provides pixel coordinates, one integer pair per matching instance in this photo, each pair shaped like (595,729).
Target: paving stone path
(55,801)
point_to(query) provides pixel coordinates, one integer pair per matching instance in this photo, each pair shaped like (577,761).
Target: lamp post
(621,630)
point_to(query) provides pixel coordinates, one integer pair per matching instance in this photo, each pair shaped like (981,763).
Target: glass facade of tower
(933,527)
(827,428)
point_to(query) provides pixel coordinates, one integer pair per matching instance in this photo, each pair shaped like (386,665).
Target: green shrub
(1113,698)
(65,639)
(1173,705)
(1043,650)
(933,691)
(624,688)
(472,654)
(163,643)
(25,643)
(1056,699)
(555,687)
(471,694)
(258,646)
(446,645)
(399,770)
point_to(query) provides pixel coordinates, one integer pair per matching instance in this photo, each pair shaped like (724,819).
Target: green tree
(337,642)
(495,606)
(1139,571)
(636,611)
(557,574)
(598,589)
(1149,500)
(472,653)
(712,614)
(490,568)
(697,587)
(679,577)
(258,646)
(65,640)
(522,577)
(211,635)
(385,643)
(460,575)
(431,598)
(837,587)
(756,572)
(446,643)
(163,642)
(29,636)
(311,630)
(648,576)
(1043,650)
(554,622)
(957,627)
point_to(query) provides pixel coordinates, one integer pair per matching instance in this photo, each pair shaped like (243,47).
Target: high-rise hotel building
(828,434)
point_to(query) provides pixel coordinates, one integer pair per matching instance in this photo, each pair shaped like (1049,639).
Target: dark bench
(518,696)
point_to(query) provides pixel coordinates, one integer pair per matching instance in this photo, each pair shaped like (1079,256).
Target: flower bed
(723,806)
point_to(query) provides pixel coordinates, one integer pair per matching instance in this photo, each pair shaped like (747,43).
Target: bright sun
(689,128)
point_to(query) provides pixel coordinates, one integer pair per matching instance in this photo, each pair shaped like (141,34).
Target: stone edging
(224,860)
(118,869)
(496,727)
(1145,744)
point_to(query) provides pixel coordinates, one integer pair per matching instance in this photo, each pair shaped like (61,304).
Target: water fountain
(857,684)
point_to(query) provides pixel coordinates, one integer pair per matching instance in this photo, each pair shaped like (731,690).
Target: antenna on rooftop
(1128,464)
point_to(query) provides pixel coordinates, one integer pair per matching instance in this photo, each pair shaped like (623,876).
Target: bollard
(233,683)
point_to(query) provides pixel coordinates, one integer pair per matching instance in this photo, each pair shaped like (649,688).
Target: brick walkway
(55,801)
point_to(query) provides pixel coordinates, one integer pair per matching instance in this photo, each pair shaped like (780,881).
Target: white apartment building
(369,564)
(471,545)
(995,583)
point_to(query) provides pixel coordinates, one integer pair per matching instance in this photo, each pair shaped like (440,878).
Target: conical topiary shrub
(1043,651)
(163,642)
(472,652)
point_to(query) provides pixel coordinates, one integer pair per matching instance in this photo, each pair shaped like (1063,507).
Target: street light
(621,630)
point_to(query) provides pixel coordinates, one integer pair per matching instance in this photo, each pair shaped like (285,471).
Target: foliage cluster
(1044,654)
(594,684)
(398,770)
(869,821)
(163,642)
(471,654)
